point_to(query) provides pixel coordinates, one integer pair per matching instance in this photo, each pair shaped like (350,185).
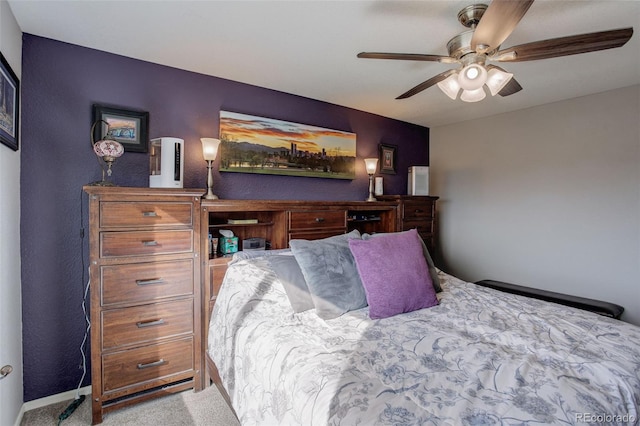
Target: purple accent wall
(60,83)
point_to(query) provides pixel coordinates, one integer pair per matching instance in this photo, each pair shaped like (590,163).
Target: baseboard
(20,414)
(51,399)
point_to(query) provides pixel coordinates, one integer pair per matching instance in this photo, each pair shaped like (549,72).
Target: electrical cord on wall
(80,398)
(87,320)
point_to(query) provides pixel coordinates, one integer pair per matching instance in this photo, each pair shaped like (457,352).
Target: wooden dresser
(416,211)
(144,252)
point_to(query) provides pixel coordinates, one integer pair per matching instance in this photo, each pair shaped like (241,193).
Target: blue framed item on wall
(9,105)
(130,128)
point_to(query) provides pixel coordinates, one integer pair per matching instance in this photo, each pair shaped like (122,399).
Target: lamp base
(210,195)
(371,197)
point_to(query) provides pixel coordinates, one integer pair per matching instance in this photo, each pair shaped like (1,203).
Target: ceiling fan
(489,28)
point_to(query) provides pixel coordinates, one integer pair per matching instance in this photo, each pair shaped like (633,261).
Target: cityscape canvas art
(252,144)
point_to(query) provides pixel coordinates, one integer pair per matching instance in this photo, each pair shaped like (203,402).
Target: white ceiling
(309,48)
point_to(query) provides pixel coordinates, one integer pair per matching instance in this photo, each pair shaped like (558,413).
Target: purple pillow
(394,274)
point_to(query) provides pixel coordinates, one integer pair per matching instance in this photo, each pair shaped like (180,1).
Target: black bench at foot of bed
(599,307)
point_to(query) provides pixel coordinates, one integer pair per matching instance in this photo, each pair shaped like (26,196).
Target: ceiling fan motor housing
(470,15)
(460,45)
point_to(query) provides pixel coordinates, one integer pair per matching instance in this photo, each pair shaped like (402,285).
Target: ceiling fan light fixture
(497,79)
(473,95)
(450,86)
(472,77)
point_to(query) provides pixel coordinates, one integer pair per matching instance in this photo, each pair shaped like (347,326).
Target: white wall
(547,197)
(11,394)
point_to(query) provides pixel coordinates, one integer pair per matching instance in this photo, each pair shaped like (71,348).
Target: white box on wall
(418,180)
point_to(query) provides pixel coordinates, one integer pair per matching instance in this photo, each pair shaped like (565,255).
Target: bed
(476,355)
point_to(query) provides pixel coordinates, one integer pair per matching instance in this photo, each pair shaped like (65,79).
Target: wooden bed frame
(287,212)
(280,221)
(213,376)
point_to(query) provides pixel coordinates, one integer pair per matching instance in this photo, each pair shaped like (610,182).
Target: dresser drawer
(146,323)
(417,209)
(319,219)
(141,243)
(423,226)
(145,282)
(136,214)
(430,242)
(217,270)
(147,363)
(315,235)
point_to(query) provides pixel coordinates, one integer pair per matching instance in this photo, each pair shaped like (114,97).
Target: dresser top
(139,191)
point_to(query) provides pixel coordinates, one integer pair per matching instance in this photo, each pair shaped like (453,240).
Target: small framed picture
(388,158)
(130,128)
(9,105)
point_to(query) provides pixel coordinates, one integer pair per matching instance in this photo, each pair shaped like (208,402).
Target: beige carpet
(186,408)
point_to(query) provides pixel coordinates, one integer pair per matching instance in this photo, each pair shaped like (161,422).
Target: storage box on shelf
(144,251)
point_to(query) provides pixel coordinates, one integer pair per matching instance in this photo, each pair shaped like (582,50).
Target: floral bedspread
(480,357)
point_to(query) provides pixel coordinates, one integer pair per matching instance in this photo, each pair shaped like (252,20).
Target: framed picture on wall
(388,158)
(130,128)
(9,105)
(262,145)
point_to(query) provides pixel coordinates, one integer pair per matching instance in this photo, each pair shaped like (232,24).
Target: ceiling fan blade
(511,87)
(499,20)
(565,46)
(426,84)
(406,57)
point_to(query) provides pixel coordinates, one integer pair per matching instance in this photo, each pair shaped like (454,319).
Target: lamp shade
(108,148)
(473,95)
(210,148)
(497,79)
(472,77)
(371,164)
(450,86)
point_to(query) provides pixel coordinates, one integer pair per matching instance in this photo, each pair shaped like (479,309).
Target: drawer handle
(151,281)
(319,219)
(152,323)
(152,364)
(149,214)
(418,211)
(150,243)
